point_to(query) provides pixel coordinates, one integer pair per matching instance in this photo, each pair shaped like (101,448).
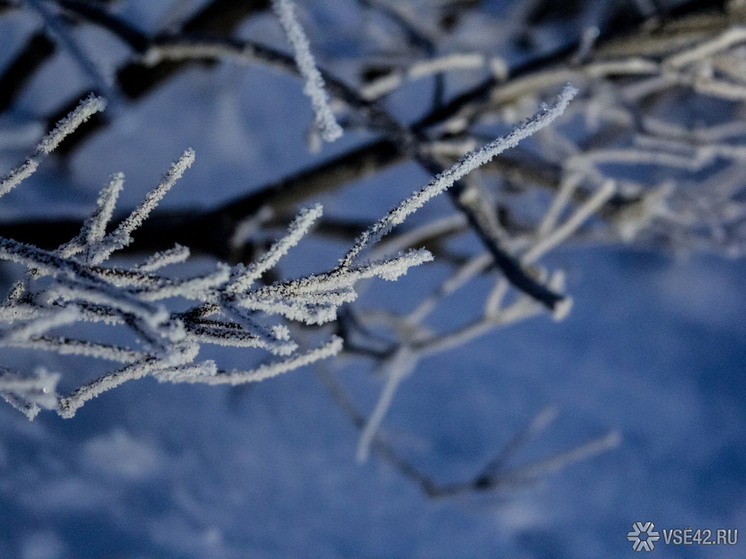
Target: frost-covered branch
(87,108)
(72,284)
(29,394)
(314,87)
(82,288)
(458,171)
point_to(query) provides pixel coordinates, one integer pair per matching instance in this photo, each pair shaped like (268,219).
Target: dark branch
(21,70)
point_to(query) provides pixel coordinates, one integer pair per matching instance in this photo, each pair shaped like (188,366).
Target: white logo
(651,536)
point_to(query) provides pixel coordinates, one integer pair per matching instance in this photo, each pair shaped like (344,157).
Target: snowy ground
(653,348)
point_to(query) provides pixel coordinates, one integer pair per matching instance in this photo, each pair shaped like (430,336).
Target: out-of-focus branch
(28,61)
(403,142)
(497,474)
(280,198)
(134,79)
(376,118)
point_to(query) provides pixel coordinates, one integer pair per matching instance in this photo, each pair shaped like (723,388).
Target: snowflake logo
(650,536)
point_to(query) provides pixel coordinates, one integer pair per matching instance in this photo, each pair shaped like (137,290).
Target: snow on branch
(315,299)
(73,284)
(331,348)
(466,165)
(94,228)
(297,230)
(121,236)
(160,259)
(314,88)
(29,394)
(87,108)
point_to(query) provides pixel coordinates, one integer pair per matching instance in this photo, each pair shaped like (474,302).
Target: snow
(653,348)
(314,87)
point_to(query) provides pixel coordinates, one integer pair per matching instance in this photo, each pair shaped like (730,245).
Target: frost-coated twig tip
(305,219)
(121,237)
(314,82)
(459,170)
(87,108)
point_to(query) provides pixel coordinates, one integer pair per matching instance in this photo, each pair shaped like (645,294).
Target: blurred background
(650,355)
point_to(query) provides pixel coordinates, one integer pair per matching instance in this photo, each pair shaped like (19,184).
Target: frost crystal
(78,287)
(71,284)
(314,87)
